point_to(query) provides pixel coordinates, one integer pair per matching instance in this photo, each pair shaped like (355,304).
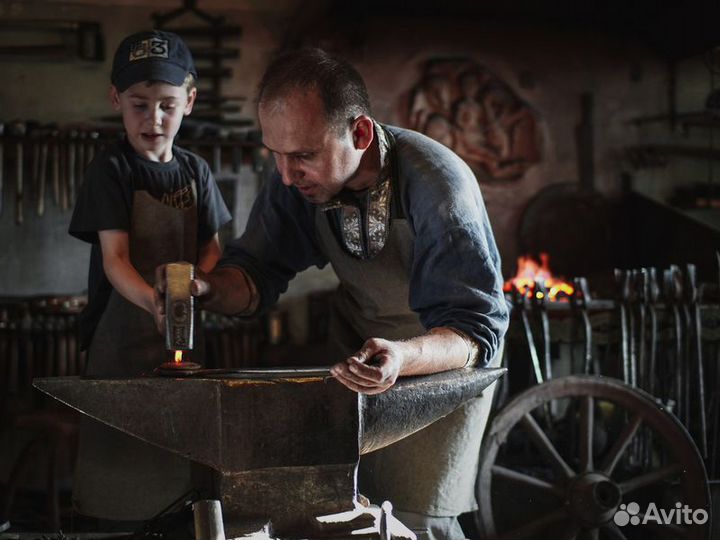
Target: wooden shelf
(686,119)
(695,152)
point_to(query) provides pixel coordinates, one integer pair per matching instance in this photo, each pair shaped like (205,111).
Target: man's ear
(363,132)
(192,94)
(114,97)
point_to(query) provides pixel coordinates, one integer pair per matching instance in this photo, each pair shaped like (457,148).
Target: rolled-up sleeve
(456,278)
(279,241)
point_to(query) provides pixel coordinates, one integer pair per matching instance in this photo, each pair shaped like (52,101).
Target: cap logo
(149,48)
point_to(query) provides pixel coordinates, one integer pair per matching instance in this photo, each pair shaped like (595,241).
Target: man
(401,220)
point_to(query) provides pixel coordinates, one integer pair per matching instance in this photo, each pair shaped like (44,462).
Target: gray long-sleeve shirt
(454,279)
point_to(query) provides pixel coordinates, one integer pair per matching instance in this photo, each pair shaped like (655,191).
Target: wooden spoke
(676,531)
(537,526)
(546,447)
(526,479)
(650,478)
(613,532)
(620,445)
(587,534)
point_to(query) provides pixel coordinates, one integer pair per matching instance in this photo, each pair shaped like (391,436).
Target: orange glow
(529,271)
(178,357)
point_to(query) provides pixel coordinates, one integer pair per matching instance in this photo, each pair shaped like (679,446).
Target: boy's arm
(120,271)
(209,254)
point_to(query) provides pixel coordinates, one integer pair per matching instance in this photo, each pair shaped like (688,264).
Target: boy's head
(151,56)
(153,88)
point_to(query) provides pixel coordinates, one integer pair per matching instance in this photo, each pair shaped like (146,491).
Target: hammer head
(179,313)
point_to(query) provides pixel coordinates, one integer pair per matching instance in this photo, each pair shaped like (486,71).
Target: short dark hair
(341,88)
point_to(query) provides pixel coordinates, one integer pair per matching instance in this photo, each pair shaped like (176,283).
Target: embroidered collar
(364,216)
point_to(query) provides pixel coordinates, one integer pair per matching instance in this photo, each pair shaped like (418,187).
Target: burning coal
(530,272)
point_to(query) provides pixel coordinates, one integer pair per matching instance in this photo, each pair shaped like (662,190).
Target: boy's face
(152,115)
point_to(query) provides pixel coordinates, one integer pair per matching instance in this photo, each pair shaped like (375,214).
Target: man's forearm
(230,292)
(376,366)
(441,349)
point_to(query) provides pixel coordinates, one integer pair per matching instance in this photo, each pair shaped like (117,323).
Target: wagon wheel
(581,477)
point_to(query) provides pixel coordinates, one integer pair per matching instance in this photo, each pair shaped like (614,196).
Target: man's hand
(198,287)
(373,369)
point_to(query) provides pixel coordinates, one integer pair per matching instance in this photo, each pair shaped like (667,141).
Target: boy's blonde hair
(188,83)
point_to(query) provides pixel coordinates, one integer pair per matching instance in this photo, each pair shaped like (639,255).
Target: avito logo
(629,514)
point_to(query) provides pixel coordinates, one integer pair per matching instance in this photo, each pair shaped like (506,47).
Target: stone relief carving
(465,107)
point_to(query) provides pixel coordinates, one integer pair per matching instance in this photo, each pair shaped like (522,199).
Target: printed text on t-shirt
(182,198)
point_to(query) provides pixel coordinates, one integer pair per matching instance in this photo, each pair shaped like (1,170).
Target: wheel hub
(594,498)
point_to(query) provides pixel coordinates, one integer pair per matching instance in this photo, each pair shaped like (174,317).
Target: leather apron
(119,477)
(433,471)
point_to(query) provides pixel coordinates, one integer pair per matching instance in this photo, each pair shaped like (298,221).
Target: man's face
(310,155)
(152,116)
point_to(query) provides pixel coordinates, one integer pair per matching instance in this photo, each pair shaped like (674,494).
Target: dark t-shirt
(105,203)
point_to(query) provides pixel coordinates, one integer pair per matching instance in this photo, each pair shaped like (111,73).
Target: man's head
(339,85)
(314,112)
(153,87)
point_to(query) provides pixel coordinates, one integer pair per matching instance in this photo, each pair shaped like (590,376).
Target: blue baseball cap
(151,56)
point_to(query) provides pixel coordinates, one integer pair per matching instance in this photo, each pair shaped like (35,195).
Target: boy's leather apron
(433,471)
(119,477)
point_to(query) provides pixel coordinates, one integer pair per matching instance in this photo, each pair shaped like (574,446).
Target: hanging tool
(686,417)
(42,175)
(92,143)
(18,130)
(632,325)
(71,164)
(693,307)
(673,296)
(538,301)
(653,294)
(34,142)
(715,408)
(237,158)
(579,301)
(519,302)
(641,284)
(2,163)
(217,158)
(622,283)
(80,171)
(55,136)
(649,293)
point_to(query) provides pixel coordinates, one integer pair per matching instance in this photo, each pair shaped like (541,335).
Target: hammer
(92,142)
(18,129)
(42,174)
(55,134)
(71,165)
(2,165)
(179,317)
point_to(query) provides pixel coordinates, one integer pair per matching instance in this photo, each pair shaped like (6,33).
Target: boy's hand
(198,287)
(159,298)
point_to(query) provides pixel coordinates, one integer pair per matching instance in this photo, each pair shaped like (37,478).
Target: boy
(144,202)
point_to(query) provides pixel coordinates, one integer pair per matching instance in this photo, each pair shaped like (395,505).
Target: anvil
(284,443)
